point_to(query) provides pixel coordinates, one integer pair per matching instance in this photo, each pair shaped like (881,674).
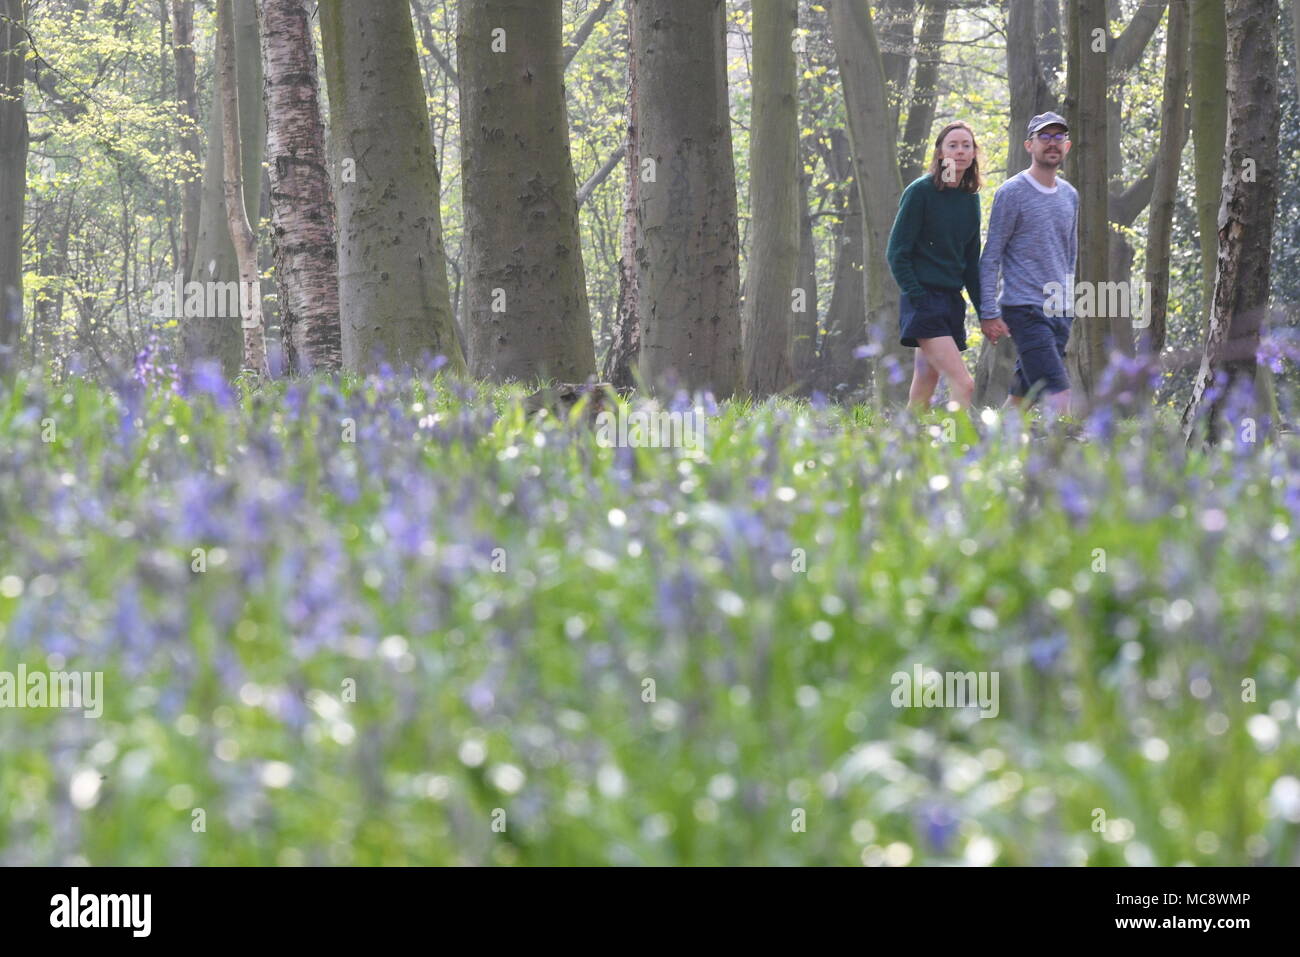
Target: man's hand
(994,329)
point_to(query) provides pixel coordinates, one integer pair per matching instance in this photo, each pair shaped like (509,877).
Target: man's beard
(1052,161)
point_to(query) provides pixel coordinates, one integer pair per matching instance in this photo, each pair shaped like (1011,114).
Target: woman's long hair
(971,180)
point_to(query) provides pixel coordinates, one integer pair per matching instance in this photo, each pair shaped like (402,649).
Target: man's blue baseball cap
(1045,119)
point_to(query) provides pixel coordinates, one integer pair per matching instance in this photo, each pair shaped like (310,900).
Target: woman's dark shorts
(941,312)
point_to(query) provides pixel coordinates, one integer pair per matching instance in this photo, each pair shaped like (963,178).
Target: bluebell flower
(1044,652)
(1073,500)
(207,378)
(939,825)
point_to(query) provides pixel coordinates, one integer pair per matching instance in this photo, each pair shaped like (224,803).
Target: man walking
(1033,244)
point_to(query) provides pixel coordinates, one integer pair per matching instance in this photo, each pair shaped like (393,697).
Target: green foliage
(104,175)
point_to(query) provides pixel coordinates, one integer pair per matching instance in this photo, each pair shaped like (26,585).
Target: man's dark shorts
(1040,339)
(941,312)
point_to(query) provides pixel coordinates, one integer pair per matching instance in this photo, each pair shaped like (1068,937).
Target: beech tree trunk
(804,354)
(625,346)
(302,197)
(1051,44)
(769,311)
(1125,52)
(1022,81)
(221,338)
(526,289)
(917,137)
(188,99)
(1209,125)
(1090,336)
(897,28)
(689,282)
(1295,26)
(838,370)
(394,299)
(1029,96)
(1165,191)
(13,178)
(1250,190)
(875,161)
(241,231)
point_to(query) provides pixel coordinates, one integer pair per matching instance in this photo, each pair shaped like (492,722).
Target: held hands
(994,329)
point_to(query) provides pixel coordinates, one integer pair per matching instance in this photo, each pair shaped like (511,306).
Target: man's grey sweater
(1033,242)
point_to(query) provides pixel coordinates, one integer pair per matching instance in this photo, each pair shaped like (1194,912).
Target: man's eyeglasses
(1053,137)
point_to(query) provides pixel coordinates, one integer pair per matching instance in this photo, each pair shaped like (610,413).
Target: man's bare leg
(1060,402)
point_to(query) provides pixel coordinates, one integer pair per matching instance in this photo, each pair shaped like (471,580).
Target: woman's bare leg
(925,379)
(941,354)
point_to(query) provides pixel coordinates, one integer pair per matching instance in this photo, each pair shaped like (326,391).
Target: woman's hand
(994,329)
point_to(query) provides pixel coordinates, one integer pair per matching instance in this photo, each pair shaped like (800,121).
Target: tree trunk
(301,195)
(804,354)
(220,337)
(689,282)
(48,307)
(875,162)
(1050,46)
(1165,193)
(1125,52)
(526,288)
(188,99)
(1089,336)
(897,28)
(1209,123)
(1022,81)
(393,294)
(625,345)
(1295,26)
(241,231)
(1250,190)
(996,364)
(925,87)
(769,315)
(1070,104)
(13,178)
(838,370)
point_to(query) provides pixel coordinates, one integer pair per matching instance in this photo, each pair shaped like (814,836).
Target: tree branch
(426,34)
(1124,207)
(584,31)
(602,174)
(1129,46)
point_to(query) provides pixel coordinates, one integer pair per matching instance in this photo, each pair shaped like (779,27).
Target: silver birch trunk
(301,194)
(1246,215)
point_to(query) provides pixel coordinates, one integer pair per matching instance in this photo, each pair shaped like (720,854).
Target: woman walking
(934,250)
